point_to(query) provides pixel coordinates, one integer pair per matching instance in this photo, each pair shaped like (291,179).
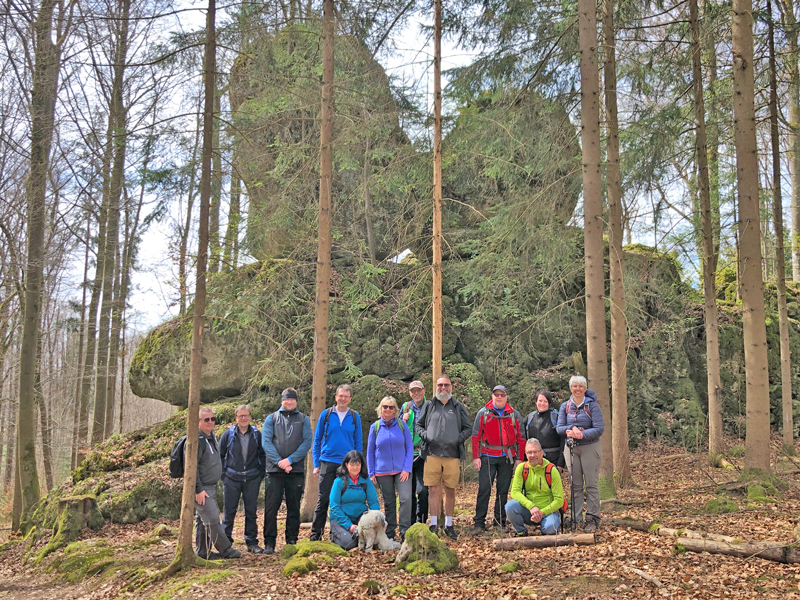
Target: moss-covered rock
(306,548)
(81,560)
(76,513)
(149,499)
(423,553)
(300,565)
(718,506)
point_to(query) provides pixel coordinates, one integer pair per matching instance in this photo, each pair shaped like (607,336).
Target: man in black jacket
(243,462)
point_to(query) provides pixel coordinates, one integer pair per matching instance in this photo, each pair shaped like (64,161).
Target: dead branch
(545,541)
(644,575)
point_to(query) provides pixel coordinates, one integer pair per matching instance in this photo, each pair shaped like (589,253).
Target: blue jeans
(521,516)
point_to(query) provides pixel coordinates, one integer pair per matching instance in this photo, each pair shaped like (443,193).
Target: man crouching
(536,492)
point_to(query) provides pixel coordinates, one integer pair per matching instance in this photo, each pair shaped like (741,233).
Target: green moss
(420,567)
(181,587)
(161,531)
(81,560)
(737,452)
(770,483)
(371,587)
(511,567)
(607,489)
(150,498)
(428,555)
(719,506)
(654,527)
(399,590)
(300,565)
(307,548)
(679,549)
(76,513)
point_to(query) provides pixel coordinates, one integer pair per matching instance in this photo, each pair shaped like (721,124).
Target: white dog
(372,532)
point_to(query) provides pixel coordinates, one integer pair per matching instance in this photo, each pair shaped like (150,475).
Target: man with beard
(443,426)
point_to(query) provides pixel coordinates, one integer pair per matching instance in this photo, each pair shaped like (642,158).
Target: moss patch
(81,560)
(511,567)
(371,587)
(76,513)
(300,565)
(306,548)
(425,553)
(737,452)
(607,489)
(181,587)
(719,506)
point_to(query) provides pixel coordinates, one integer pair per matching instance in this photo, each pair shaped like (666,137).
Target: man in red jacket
(498,445)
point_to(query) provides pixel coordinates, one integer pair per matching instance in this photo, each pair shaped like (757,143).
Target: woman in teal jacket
(352,495)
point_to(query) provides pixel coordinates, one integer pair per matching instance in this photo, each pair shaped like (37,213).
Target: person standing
(497,447)
(208,529)
(286,440)
(419,491)
(443,426)
(242,472)
(338,432)
(390,455)
(541,424)
(581,420)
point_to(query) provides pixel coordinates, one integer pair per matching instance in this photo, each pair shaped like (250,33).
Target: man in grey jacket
(286,438)
(443,426)
(208,529)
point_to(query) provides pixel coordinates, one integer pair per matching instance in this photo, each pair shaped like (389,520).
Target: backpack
(512,449)
(328,412)
(399,422)
(229,447)
(575,412)
(176,458)
(548,477)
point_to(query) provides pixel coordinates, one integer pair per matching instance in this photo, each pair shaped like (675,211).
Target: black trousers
(419,492)
(499,469)
(247,490)
(327,475)
(279,485)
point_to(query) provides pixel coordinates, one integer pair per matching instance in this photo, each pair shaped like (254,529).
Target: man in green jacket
(534,499)
(419,493)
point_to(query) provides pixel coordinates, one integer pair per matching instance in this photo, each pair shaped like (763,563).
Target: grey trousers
(213,532)
(391,489)
(585,476)
(343,537)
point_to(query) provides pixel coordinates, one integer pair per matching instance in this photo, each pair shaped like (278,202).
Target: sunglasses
(210,419)
(387,407)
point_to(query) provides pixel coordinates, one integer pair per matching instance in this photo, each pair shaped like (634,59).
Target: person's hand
(201,498)
(560,470)
(316,471)
(285,464)
(288,469)
(405,417)
(536,515)
(374,480)
(577,433)
(517,463)
(404,475)
(353,528)
(476,463)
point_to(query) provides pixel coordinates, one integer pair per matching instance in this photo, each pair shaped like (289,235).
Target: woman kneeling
(352,495)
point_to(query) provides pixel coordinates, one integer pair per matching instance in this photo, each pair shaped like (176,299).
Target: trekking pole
(572,522)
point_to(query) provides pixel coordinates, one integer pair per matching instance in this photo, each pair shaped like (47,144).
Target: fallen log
(774,551)
(658,529)
(545,541)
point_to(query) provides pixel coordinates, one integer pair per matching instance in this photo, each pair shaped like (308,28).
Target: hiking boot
(591,525)
(451,533)
(269,549)
(434,529)
(255,549)
(521,533)
(477,530)
(289,543)
(209,555)
(231,553)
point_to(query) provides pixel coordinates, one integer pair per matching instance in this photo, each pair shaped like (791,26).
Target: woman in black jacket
(541,424)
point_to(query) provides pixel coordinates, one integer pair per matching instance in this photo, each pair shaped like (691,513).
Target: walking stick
(573,522)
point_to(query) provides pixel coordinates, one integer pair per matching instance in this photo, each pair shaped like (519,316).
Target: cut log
(662,531)
(768,550)
(546,541)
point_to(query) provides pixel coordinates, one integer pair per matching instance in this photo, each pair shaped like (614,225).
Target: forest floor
(671,488)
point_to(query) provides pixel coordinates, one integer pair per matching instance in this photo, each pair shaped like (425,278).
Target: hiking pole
(572,522)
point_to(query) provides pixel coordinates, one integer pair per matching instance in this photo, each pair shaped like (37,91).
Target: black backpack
(177,457)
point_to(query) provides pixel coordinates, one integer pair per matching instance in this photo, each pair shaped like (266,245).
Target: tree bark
(368,199)
(187,227)
(230,257)
(755,334)
(184,555)
(216,190)
(707,250)
(619,354)
(42,109)
(767,550)
(76,425)
(321,311)
(791,29)
(437,192)
(780,262)
(596,357)
(545,541)
(712,131)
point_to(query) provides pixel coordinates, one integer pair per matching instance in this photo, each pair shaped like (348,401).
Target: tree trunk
(216,190)
(11,444)
(437,192)
(596,358)
(780,262)
(320,368)
(231,250)
(76,425)
(791,29)
(44,420)
(619,354)
(187,227)
(712,137)
(42,109)
(755,334)
(368,199)
(113,349)
(184,555)
(707,251)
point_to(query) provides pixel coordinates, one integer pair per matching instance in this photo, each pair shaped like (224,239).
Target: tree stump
(75,513)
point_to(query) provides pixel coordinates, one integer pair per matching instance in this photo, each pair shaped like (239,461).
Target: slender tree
(792,29)
(76,425)
(184,555)
(437,190)
(320,369)
(780,261)
(755,333)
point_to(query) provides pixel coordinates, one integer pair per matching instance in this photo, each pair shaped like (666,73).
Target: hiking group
(413,455)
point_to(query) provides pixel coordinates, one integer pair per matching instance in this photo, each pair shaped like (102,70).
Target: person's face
(534,454)
(354,468)
(342,399)
(578,390)
(243,419)
(541,403)
(499,397)
(388,411)
(443,386)
(207,420)
(289,403)
(417,394)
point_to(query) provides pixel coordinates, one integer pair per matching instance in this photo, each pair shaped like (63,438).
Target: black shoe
(288,543)
(255,549)
(209,555)
(268,549)
(315,537)
(231,553)
(451,533)
(434,529)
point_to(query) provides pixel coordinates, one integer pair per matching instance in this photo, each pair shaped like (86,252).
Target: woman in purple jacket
(390,456)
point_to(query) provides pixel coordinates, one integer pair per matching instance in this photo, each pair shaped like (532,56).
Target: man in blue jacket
(338,432)
(242,473)
(286,439)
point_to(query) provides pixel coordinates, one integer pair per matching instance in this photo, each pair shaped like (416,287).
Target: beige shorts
(440,471)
